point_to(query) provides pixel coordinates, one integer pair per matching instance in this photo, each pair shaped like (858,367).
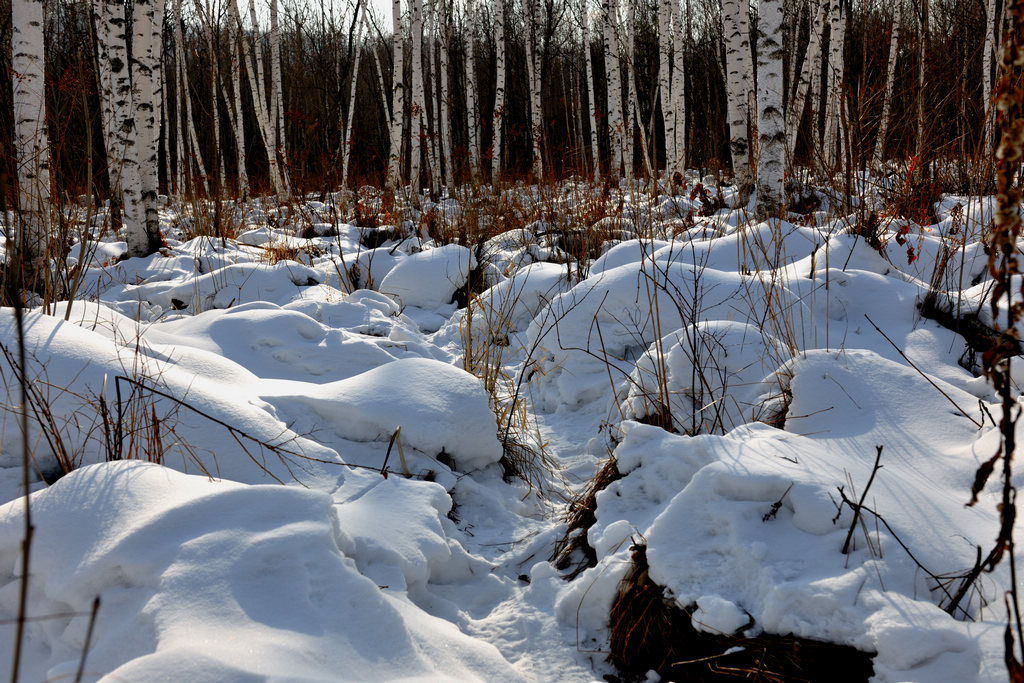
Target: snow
(263,526)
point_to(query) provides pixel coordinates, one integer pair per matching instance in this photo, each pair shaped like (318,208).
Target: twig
(88,639)
(26,543)
(863,497)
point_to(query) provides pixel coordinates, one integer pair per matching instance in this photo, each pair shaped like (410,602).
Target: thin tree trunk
(499,87)
(877,157)
(678,85)
(346,141)
(259,107)
(595,150)
(986,73)
(444,104)
(630,77)
(397,99)
(417,103)
(533,67)
(277,99)
(472,105)
(832,145)
(238,120)
(810,70)
(920,148)
(616,125)
(666,49)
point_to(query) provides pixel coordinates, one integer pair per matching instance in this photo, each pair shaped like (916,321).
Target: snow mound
(429,278)
(439,408)
(212,580)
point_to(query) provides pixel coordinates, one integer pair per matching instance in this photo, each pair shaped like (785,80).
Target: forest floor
(741,387)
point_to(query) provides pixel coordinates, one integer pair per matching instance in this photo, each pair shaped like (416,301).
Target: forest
(539,340)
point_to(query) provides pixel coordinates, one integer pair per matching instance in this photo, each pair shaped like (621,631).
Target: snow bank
(215,581)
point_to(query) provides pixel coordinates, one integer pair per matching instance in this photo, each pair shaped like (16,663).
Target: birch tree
(143,233)
(987,53)
(397,98)
(417,103)
(810,70)
(499,89)
(616,125)
(30,140)
(277,98)
(736,31)
(346,138)
(890,77)
(472,106)
(771,158)
(238,120)
(533,75)
(592,98)
(444,101)
(835,66)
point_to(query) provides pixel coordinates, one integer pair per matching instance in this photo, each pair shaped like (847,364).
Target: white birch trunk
(277,99)
(736,31)
(430,116)
(444,104)
(144,231)
(986,72)
(678,85)
(877,156)
(595,152)
(499,86)
(616,126)
(346,140)
(533,67)
(629,135)
(30,139)
(397,99)
(771,159)
(472,106)
(811,66)
(831,147)
(417,102)
(238,120)
(259,106)
(666,49)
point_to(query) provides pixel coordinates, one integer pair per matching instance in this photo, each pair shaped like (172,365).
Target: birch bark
(616,126)
(237,121)
(810,70)
(736,31)
(595,152)
(832,144)
(533,68)
(877,155)
(499,87)
(416,104)
(771,159)
(30,139)
(143,233)
(397,98)
(986,72)
(346,140)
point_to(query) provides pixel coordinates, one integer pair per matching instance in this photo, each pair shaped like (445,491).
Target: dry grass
(651,632)
(573,552)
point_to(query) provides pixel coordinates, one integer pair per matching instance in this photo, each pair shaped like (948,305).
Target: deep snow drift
(734,370)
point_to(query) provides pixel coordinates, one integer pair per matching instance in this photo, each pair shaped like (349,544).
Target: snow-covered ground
(762,345)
